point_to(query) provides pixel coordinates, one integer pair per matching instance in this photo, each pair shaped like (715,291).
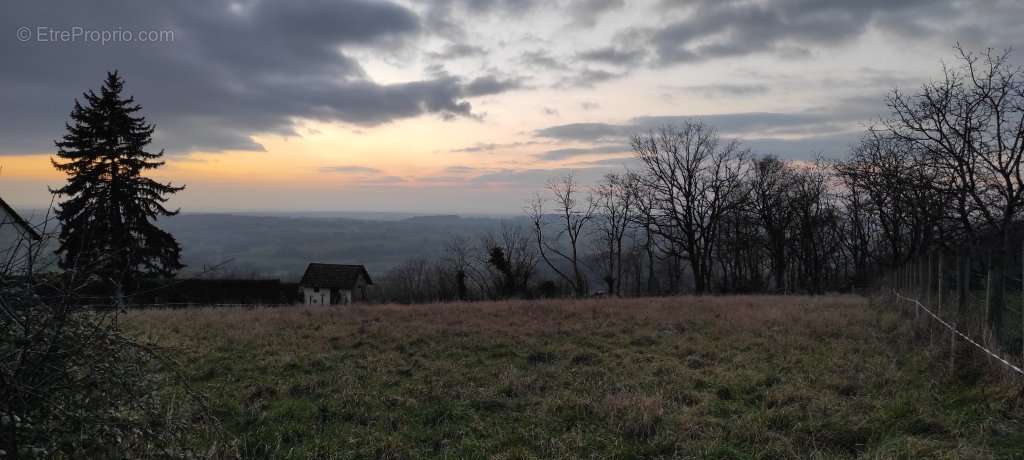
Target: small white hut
(334,284)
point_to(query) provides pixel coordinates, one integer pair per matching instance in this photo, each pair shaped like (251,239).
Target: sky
(459,106)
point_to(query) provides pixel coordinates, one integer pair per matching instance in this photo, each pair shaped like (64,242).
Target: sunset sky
(460,105)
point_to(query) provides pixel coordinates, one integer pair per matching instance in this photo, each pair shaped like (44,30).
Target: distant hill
(280,247)
(439,219)
(280,244)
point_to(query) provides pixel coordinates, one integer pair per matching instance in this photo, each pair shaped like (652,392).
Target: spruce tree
(108,228)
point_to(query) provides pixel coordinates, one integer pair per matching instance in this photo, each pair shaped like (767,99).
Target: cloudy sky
(459,105)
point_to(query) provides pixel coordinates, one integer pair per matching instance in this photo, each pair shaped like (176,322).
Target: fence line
(953,329)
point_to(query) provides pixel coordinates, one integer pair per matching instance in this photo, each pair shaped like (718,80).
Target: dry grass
(708,377)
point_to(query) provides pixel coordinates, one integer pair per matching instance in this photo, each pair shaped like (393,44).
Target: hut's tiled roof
(333,276)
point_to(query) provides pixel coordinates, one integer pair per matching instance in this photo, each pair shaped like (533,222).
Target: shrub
(74,386)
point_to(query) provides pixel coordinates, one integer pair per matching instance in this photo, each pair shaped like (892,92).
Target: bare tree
(898,187)
(571,216)
(411,282)
(772,183)
(459,260)
(510,255)
(970,125)
(615,208)
(861,231)
(644,217)
(816,225)
(696,179)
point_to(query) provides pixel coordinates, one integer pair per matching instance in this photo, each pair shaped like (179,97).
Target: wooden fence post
(986,330)
(941,295)
(928,294)
(928,280)
(916,270)
(988,290)
(952,347)
(916,278)
(922,275)
(965,291)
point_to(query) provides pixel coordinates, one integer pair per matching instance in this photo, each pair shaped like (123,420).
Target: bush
(74,386)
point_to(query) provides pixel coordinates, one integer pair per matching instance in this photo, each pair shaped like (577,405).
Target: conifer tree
(108,219)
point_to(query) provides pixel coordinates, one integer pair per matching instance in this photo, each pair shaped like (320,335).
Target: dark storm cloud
(232,70)
(712,29)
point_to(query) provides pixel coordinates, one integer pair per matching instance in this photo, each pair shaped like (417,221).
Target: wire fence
(973,294)
(957,334)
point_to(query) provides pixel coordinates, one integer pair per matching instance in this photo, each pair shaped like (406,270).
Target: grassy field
(712,377)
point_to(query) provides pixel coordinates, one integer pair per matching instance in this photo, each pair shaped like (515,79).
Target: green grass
(713,377)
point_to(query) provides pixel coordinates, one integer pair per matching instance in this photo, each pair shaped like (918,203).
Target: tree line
(703,214)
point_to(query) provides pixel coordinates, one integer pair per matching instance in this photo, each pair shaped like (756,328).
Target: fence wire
(954,330)
(974,290)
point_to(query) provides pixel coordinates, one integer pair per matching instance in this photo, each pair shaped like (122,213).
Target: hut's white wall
(322,296)
(316,296)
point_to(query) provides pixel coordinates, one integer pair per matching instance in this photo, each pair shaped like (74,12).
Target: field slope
(712,377)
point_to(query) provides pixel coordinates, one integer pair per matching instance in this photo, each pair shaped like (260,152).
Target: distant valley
(281,246)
